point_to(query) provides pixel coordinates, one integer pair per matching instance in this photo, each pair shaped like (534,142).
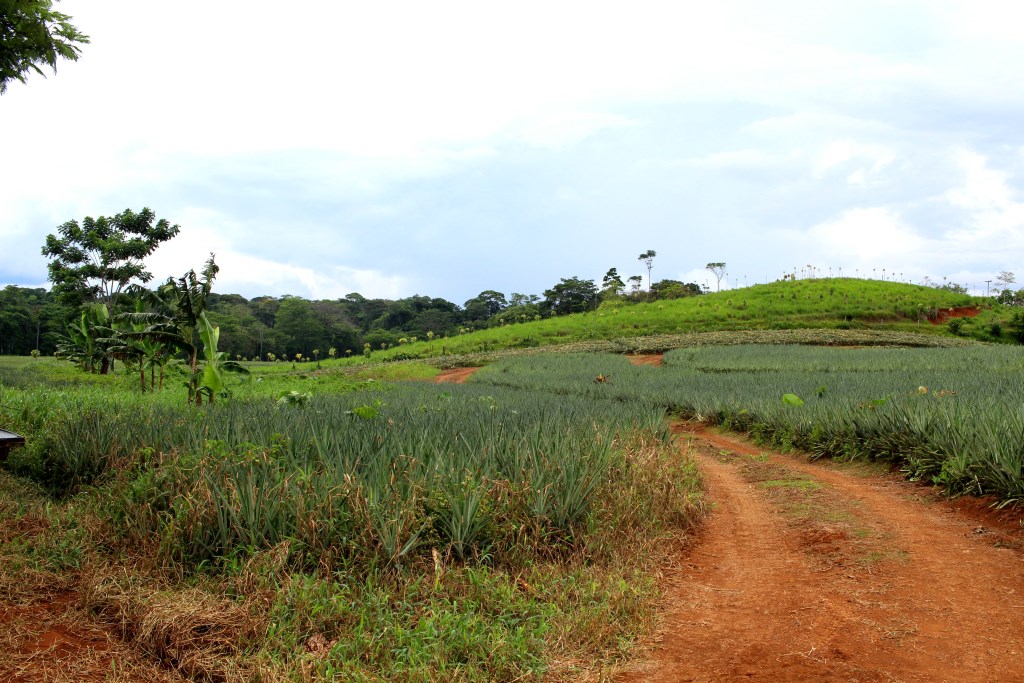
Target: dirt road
(808,572)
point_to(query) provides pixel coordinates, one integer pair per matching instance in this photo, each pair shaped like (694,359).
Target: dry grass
(189,630)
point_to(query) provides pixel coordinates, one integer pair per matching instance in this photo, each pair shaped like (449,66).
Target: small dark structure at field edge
(9,440)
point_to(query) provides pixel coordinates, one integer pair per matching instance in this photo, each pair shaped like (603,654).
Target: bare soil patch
(454,375)
(646,358)
(810,572)
(53,640)
(944,314)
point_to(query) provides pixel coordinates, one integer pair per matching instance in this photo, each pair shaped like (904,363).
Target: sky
(446,148)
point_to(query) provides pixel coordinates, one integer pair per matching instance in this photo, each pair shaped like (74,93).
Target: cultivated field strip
(955,415)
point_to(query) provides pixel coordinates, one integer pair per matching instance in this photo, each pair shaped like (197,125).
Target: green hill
(838,304)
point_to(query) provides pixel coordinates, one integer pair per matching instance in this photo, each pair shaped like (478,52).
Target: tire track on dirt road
(908,591)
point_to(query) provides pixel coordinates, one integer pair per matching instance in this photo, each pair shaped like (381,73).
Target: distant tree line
(31,318)
(281,327)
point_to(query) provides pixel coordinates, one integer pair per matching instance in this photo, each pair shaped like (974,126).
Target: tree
(94,261)
(33,34)
(484,305)
(1016,326)
(612,284)
(1005,279)
(1008,297)
(570,295)
(301,329)
(718,269)
(517,299)
(648,258)
(675,289)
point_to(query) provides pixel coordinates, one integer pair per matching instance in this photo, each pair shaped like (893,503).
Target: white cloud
(994,221)
(983,189)
(867,236)
(243,272)
(737,159)
(860,160)
(336,115)
(563,129)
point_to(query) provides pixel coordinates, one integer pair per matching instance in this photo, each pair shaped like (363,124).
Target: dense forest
(268,327)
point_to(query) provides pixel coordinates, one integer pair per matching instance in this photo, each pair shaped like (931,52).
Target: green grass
(790,483)
(841,303)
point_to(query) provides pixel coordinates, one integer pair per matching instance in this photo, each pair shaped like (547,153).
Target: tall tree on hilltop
(648,258)
(94,261)
(1005,279)
(33,34)
(718,268)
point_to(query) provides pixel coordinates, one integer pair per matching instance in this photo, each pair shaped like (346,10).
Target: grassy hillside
(841,303)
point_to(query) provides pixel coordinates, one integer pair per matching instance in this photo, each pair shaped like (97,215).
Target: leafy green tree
(484,305)
(612,285)
(30,319)
(435,320)
(300,328)
(15,320)
(522,308)
(570,295)
(718,269)
(33,34)
(94,261)
(1016,326)
(1008,297)
(674,289)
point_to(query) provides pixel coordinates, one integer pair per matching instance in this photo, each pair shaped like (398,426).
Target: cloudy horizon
(400,148)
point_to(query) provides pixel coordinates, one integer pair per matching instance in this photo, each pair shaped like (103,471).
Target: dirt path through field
(806,572)
(454,375)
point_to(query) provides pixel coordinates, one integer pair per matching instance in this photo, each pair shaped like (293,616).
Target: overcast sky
(440,148)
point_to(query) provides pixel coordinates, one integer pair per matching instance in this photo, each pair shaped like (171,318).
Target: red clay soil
(48,640)
(881,582)
(646,358)
(944,314)
(454,375)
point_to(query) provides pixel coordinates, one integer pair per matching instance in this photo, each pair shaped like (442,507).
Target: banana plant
(180,304)
(134,344)
(215,363)
(85,342)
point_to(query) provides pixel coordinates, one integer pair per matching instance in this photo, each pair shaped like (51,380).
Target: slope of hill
(842,303)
